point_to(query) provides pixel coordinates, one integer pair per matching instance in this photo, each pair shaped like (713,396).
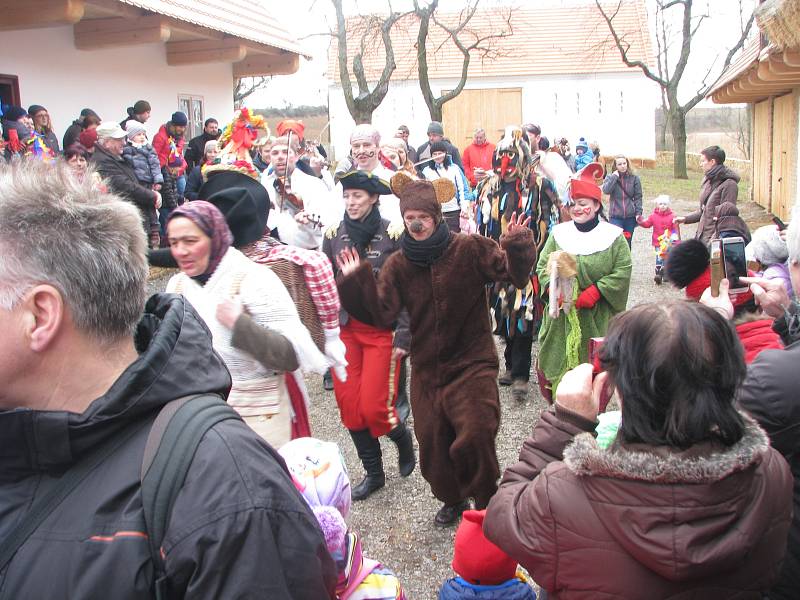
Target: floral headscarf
(211,222)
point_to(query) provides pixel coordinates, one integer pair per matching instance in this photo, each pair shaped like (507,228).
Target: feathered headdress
(236,141)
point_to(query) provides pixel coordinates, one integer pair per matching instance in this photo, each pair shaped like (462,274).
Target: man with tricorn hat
(367,399)
(441,278)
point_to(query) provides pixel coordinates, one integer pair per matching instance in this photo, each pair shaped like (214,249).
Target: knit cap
(179,118)
(14,113)
(134,128)
(475,558)
(366,131)
(438,147)
(582,144)
(435,128)
(36,108)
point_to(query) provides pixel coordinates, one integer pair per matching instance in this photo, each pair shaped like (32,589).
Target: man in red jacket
(168,144)
(478,157)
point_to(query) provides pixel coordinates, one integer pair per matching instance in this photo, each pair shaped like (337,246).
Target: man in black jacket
(78,371)
(436,134)
(195,149)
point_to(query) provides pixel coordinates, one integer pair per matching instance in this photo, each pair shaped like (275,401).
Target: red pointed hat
(584,184)
(475,558)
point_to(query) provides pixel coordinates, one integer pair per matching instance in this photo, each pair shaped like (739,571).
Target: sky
(311,20)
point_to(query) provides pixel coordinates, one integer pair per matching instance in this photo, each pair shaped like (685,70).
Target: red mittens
(588,297)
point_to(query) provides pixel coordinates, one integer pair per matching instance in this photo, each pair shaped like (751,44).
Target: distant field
(314,127)
(703,139)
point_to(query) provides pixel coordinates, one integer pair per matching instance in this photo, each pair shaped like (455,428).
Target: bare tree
(667,77)
(362,105)
(467,40)
(245,86)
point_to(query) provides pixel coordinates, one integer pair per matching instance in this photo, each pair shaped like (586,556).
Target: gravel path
(396,523)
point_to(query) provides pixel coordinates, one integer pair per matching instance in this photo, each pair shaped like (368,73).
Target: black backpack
(171,445)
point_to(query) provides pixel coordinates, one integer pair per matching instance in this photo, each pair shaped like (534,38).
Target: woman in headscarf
(253,321)
(367,399)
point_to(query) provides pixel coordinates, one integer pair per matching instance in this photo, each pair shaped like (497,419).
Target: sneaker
(519,390)
(505,378)
(450,513)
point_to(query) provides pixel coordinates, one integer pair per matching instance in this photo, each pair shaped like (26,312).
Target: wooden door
(491,109)
(784,132)
(762,156)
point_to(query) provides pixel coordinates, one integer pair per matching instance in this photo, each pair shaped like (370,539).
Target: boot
(519,390)
(406,460)
(658,276)
(327,381)
(369,451)
(449,513)
(505,378)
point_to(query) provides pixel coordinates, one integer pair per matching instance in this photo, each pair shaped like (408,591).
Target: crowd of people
(289,266)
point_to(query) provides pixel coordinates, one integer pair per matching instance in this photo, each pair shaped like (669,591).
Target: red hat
(696,287)
(88,137)
(585,184)
(475,558)
(287,125)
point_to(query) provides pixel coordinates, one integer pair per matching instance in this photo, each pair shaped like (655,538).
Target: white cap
(110,129)
(662,199)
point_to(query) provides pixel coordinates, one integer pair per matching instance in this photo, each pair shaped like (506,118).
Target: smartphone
(734,263)
(717,272)
(781,225)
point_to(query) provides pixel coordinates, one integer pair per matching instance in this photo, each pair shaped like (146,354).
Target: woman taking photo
(687,500)
(252,319)
(625,191)
(367,399)
(592,264)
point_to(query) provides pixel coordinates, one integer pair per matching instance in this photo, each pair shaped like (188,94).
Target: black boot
(369,451)
(406,461)
(450,513)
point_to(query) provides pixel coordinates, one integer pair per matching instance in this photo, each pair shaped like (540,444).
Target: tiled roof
(545,41)
(246,19)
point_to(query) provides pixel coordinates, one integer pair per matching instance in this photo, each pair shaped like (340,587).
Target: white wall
(624,126)
(53,73)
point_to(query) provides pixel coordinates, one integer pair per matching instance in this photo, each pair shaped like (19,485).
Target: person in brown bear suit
(440,277)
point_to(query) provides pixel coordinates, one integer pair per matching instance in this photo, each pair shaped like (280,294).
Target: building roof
(545,40)
(246,19)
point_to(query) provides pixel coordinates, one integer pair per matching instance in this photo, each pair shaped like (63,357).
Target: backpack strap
(48,503)
(171,445)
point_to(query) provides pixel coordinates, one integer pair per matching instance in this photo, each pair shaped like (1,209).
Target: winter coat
(454,360)
(756,336)
(637,521)
(144,161)
(238,527)
(581,160)
(781,272)
(51,139)
(721,187)
(193,184)
(625,195)
(72,133)
(195,150)
(729,222)
(769,394)
(460,589)
(170,153)
(121,179)
(477,156)
(23,135)
(660,222)
(463,194)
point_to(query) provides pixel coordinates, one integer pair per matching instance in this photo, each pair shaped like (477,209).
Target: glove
(588,297)
(335,351)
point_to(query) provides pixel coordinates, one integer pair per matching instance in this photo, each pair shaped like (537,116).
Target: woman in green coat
(591,263)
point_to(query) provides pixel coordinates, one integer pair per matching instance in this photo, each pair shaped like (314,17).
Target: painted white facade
(615,109)
(54,74)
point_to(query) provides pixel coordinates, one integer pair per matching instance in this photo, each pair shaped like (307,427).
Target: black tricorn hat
(363,180)
(242,200)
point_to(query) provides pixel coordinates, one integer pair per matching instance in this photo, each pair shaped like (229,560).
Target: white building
(67,55)
(558,69)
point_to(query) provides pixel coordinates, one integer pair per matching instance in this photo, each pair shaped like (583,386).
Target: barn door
(762,177)
(491,109)
(783,155)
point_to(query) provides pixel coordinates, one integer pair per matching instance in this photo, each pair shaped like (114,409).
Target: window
(192,106)
(577,102)
(599,102)
(555,103)
(9,91)
(621,102)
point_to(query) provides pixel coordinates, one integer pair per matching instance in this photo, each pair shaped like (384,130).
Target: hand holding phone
(734,263)
(716,267)
(780,224)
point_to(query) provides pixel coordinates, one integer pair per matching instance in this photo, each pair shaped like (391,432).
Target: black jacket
(769,394)
(72,134)
(121,178)
(195,149)
(239,528)
(193,183)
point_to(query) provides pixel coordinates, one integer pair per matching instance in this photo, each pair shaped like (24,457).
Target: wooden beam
(256,65)
(777,66)
(205,51)
(113,8)
(118,32)
(792,57)
(34,14)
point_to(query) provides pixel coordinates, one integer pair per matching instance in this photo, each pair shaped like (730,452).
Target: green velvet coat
(610,271)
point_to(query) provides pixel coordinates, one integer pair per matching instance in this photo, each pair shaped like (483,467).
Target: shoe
(449,513)
(327,381)
(406,460)
(519,390)
(657,278)
(369,451)
(505,378)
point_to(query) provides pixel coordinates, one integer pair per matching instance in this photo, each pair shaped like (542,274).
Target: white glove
(335,350)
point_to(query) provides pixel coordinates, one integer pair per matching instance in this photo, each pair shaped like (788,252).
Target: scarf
(211,222)
(712,173)
(589,225)
(362,231)
(426,252)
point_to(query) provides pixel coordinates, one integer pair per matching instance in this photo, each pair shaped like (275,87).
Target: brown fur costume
(454,393)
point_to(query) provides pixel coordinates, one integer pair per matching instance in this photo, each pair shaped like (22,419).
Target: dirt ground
(396,523)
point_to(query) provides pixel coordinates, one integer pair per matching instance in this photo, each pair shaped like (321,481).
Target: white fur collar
(579,243)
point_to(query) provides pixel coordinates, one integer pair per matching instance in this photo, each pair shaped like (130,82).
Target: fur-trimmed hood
(684,514)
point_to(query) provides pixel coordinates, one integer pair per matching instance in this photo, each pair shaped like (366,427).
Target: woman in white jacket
(462,203)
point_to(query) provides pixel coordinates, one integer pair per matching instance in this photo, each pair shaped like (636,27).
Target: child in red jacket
(666,232)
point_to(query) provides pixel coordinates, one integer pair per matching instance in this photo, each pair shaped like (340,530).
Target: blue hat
(582,144)
(179,118)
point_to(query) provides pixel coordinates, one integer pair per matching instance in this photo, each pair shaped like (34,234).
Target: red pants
(367,399)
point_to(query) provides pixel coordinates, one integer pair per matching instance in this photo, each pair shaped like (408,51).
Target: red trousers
(367,399)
